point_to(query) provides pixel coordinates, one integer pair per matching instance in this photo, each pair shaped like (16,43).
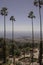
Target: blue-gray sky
(20,9)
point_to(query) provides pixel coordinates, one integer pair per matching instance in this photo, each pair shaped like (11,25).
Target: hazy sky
(20,9)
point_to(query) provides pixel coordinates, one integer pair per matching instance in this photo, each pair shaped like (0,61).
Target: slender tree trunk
(32,40)
(13,41)
(13,37)
(12,31)
(40,51)
(4,49)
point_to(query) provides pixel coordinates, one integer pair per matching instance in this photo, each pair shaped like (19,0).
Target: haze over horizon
(24,34)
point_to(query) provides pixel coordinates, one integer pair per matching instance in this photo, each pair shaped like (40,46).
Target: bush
(33,60)
(18,63)
(17,52)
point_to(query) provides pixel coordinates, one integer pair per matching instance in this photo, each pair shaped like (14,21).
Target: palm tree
(39,3)
(13,19)
(31,15)
(4,12)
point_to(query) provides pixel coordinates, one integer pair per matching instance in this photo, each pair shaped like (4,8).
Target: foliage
(23,58)
(34,60)
(17,52)
(18,63)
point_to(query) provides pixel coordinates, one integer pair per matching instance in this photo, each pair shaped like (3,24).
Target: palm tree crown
(31,15)
(38,2)
(4,11)
(12,18)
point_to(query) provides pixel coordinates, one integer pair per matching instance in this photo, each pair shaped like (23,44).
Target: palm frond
(36,3)
(31,15)
(12,18)
(4,11)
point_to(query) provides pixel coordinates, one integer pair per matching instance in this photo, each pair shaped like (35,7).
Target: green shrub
(18,63)
(17,52)
(33,60)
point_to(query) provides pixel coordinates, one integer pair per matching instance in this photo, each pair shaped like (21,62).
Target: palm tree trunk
(4,49)
(13,37)
(13,41)
(40,52)
(32,41)
(12,31)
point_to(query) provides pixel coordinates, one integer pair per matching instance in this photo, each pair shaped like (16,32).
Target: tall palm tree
(39,3)
(13,19)
(4,13)
(31,15)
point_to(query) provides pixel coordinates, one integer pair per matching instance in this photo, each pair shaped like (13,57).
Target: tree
(4,13)
(31,15)
(39,3)
(13,19)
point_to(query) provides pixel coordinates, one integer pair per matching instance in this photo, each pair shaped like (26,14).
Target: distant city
(21,35)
